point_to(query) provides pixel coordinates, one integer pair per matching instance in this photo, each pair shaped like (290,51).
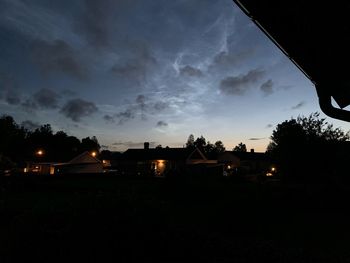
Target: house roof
(249,156)
(162,154)
(85,157)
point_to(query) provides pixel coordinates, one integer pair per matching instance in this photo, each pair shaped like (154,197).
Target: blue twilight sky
(129,71)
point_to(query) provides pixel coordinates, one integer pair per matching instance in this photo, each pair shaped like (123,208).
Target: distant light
(40,152)
(228,166)
(93,154)
(25,170)
(269,174)
(273,169)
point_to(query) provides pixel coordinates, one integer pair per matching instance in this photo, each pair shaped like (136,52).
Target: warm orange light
(40,152)
(273,169)
(93,154)
(160,163)
(269,174)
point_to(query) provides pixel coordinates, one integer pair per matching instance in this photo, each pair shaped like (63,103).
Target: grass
(151,219)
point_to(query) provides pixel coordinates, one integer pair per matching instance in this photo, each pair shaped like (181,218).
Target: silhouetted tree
(88,144)
(209,148)
(307,147)
(159,146)
(12,142)
(241,147)
(190,141)
(219,147)
(200,143)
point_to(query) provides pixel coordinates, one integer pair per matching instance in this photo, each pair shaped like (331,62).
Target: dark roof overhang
(315,36)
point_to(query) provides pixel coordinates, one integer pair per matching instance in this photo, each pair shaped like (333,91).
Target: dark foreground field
(148,219)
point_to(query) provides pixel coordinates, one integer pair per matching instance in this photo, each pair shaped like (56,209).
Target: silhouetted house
(82,164)
(164,161)
(41,168)
(247,162)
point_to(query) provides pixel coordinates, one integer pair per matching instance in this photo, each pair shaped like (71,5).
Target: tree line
(211,149)
(18,144)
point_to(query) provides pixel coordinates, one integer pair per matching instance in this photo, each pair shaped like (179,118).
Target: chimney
(252,150)
(146,145)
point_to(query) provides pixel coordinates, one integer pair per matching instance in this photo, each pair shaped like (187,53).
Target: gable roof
(85,157)
(163,154)
(249,156)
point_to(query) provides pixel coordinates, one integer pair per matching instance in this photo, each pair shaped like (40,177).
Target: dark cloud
(162,124)
(190,71)
(131,144)
(140,107)
(9,89)
(30,125)
(269,126)
(125,116)
(108,118)
(76,109)
(267,87)
(58,56)
(12,97)
(299,105)
(160,105)
(46,99)
(93,24)
(137,66)
(29,105)
(238,85)
(255,139)
(68,93)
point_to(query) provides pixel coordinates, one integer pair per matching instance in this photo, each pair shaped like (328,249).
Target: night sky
(129,71)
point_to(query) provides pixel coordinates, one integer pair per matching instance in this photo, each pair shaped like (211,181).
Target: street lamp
(39,152)
(93,154)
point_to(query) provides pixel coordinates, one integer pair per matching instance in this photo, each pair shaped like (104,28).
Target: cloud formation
(136,66)
(238,85)
(30,125)
(299,105)
(162,124)
(58,56)
(12,97)
(140,107)
(93,23)
(29,105)
(255,139)
(190,71)
(267,87)
(46,99)
(229,59)
(76,109)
